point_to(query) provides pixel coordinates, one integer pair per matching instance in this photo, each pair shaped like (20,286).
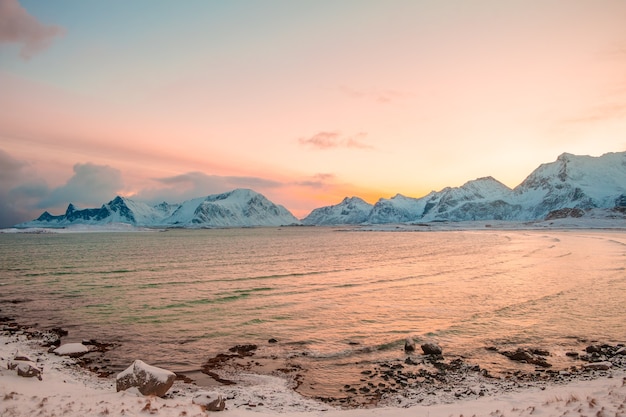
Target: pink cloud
(378,96)
(329,140)
(17,26)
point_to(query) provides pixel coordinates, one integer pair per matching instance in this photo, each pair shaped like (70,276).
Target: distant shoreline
(618,224)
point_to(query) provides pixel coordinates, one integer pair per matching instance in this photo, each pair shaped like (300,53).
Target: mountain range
(237,208)
(568,186)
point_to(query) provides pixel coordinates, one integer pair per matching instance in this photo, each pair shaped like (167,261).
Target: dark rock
(209,401)
(431,349)
(22,357)
(243,350)
(519,355)
(272,340)
(28,369)
(564,213)
(59,331)
(409,345)
(410,361)
(526,356)
(24,366)
(149,380)
(594,349)
(598,366)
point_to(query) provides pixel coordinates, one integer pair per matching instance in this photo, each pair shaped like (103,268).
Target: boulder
(149,380)
(19,356)
(598,366)
(25,368)
(28,370)
(73,350)
(431,349)
(209,400)
(594,349)
(535,356)
(409,345)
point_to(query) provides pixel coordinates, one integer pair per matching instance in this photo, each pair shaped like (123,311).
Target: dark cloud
(90,186)
(329,140)
(9,172)
(9,167)
(19,27)
(197,184)
(317,181)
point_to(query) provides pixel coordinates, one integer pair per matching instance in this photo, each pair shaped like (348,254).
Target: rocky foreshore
(428,376)
(417,376)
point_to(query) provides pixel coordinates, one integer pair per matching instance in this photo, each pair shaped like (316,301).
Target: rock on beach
(209,401)
(409,345)
(431,348)
(149,380)
(73,350)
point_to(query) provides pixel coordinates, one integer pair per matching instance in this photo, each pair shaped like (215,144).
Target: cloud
(90,186)
(10,207)
(198,184)
(20,191)
(329,140)
(379,96)
(9,168)
(320,180)
(19,27)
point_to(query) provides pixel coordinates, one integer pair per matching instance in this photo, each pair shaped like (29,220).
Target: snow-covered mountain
(553,189)
(397,209)
(237,208)
(352,210)
(480,199)
(572,181)
(582,182)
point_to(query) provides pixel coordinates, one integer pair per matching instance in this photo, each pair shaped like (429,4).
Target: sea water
(332,298)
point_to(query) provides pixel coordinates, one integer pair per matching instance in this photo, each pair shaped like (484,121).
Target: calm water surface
(335,297)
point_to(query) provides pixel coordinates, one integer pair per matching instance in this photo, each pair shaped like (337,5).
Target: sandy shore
(66,389)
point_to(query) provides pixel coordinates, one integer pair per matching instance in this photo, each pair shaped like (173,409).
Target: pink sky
(306,103)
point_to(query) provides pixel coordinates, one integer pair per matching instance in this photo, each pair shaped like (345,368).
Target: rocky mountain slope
(570,182)
(352,210)
(237,208)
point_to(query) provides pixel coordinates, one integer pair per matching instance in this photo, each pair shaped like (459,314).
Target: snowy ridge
(352,210)
(398,209)
(582,182)
(237,208)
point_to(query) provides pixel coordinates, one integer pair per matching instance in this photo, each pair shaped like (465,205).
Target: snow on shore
(68,390)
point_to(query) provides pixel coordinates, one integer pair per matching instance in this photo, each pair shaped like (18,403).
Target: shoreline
(69,386)
(596,219)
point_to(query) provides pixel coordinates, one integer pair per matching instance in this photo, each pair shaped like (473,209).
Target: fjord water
(332,297)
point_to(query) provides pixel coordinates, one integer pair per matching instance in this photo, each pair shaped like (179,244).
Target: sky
(306,102)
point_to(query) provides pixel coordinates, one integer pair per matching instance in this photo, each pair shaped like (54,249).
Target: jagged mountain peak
(71,208)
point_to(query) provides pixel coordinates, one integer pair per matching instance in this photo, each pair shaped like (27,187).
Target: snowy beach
(69,390)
